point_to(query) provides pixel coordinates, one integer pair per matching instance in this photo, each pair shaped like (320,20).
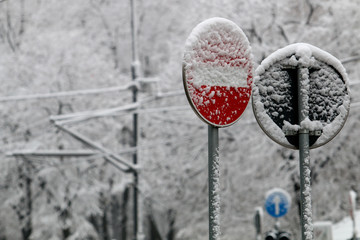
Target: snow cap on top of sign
(210,39)
(302,50)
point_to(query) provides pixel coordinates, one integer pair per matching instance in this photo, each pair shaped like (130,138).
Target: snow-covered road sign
(218,71)
(217,75)
(324,84)
(277,202)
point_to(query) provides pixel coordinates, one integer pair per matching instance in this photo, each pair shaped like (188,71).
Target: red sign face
(218,71)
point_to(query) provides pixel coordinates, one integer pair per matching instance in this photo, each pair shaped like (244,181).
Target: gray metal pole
(304,158)
(134,76)
(214,183)
(305,188)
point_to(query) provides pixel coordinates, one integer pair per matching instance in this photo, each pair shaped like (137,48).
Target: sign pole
(306,212)
(304,157)
(214,183)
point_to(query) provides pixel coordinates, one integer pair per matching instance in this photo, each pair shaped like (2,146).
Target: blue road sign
(277,202)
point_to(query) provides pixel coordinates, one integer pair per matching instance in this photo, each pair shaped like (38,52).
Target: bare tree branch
(22,17)
(283,34)
(9,32)
(113,37)
(311,12)
(254,33)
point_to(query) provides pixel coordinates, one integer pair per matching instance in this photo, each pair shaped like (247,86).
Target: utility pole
(134,74)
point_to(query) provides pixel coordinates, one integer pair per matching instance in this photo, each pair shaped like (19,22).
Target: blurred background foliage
(59,46)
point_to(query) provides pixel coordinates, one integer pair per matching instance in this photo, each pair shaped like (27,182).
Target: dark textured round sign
(276,88)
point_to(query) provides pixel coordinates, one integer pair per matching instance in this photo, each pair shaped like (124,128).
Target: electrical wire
(68,93)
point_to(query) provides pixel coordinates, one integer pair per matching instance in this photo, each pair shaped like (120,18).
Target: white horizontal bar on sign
(224,76)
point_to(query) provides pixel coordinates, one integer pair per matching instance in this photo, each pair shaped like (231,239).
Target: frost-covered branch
(254,33)
(10,31)
(283,34)
(22,17)
(350,59)
(113,35)
(311,12)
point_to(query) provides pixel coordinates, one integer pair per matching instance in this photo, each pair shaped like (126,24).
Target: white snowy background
(60,46)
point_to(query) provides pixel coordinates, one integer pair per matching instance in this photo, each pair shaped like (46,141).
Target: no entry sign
(217,71)
(323,83)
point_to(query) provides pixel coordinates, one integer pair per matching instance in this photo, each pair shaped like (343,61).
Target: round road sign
(277,202)
(322,80)
(218,71)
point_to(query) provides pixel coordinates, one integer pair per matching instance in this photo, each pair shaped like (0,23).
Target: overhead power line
(82,116)
(109,155)
(139,81)
(68,93)
(54,153)
(132,108)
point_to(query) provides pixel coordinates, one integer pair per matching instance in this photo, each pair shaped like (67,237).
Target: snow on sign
(275,95)
(277,202)
(218,71)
